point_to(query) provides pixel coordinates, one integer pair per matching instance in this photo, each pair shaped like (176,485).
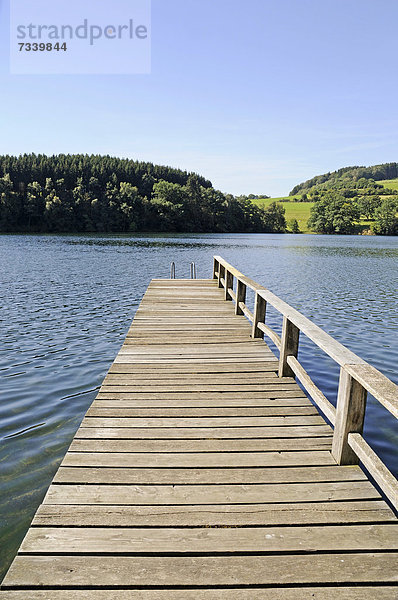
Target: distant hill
(353,200)
(348,201)
(349,174)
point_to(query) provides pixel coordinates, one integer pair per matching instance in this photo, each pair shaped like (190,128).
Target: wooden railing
(357,377)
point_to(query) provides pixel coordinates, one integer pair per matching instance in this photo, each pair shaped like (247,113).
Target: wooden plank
(202,433)
(194,475)
(144,571)
(266,377)
(307,513)
(240,348)
(169,422)
(201,388)
(201,403)
(196,460)
(340,538)
(126,411)
(220,494)
(205,360)
(300,593)
(228,330)
(171,340)
(252,367)
(198,445)
(209,396)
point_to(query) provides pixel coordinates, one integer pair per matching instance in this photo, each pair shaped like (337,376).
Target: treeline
(350,174)
(335,213)
(82,193)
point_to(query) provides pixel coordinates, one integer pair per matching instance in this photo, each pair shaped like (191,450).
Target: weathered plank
(196,515)
(301,593)
(199,367)
(145,571)
(201,475)
(128,411)
(209,396)
(196,460)
(71,540)
(203,403)
(176,423)
(218,494)
(170,433)
(201,445)
(122,378)
(161,388)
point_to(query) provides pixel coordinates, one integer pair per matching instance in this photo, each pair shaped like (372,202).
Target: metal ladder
(192,268)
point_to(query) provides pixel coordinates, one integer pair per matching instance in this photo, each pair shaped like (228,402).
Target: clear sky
(256,95)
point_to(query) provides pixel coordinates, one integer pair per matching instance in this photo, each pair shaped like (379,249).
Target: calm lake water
(67,302)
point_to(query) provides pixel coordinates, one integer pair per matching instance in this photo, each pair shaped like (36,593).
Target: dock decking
(198,473)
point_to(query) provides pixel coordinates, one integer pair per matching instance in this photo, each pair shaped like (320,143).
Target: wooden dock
(202,471)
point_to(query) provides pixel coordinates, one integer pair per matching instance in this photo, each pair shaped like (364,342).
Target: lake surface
(67,302)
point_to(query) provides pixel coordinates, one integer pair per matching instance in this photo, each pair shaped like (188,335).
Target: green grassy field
(294,210)
(392,184)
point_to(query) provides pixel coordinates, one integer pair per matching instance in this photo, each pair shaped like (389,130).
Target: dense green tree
(387,218)
(274,218)
(294,226)
(10,205)
(34,205)
(368,204)
(333,214)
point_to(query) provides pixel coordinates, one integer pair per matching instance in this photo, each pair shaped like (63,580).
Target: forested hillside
(349,174)
(81,193)
(352,200)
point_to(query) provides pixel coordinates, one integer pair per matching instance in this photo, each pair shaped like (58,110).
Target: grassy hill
(391,184)
(293,209)
(350,199)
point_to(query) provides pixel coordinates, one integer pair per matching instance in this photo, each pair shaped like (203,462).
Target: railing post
(240,296)
(350,415)
(260,307)
(229,282)
(221,274)
(289,347)
(216,266)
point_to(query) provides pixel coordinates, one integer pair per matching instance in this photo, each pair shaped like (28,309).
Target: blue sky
(256,96)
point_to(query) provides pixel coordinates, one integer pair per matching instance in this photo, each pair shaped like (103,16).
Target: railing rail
(357,377)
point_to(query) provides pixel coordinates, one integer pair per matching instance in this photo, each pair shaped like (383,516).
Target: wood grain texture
(301,593)
(214,515)
(72,540)
(201,445)
(203,494)
(145,571)
(212,476)
(194,459)
(209,433)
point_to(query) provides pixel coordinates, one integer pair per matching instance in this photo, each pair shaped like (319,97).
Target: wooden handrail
(357,377)
(377,384)
(375,466)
